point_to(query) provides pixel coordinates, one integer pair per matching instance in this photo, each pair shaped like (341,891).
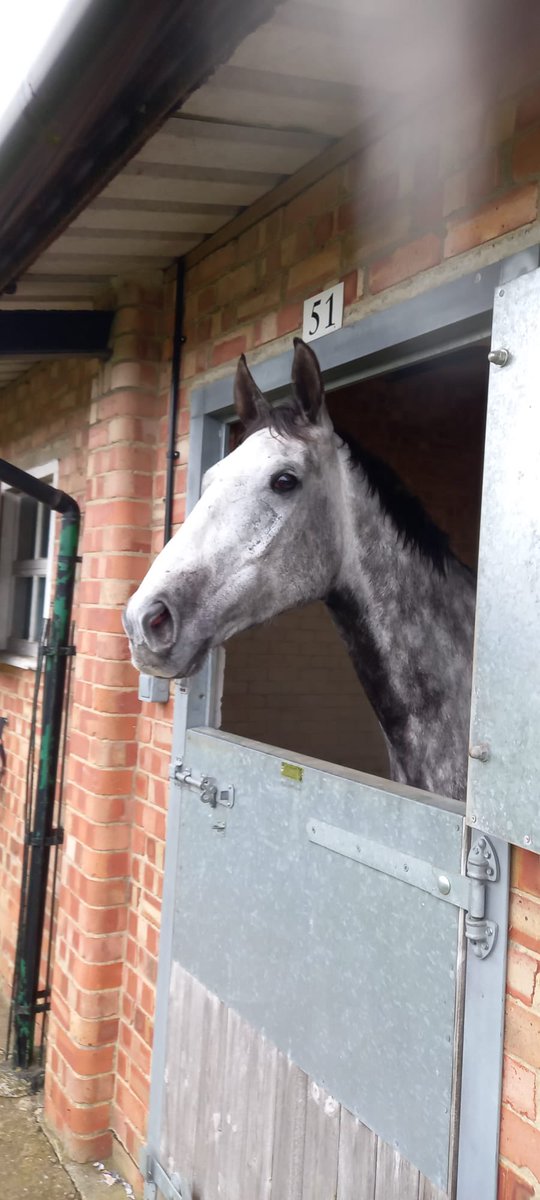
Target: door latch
(209,791)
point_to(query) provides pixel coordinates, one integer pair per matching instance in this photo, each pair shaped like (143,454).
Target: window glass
(28,511)
(22,608)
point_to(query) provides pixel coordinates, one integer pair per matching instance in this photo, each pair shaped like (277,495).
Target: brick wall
(405,215)
(44,418)
(106,952)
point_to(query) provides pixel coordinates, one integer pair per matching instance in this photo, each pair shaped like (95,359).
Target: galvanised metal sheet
(348,970)
(504,784)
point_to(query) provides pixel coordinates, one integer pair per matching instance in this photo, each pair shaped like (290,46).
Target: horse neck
(408,628)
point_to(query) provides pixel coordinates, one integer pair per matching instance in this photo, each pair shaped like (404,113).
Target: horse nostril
(160,617)
(157,623)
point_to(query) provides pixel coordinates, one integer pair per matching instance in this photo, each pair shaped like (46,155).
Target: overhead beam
(55,332)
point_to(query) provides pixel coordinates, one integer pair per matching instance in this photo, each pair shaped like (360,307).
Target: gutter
(109,76)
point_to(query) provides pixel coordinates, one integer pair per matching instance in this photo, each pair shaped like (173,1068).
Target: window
(26,543)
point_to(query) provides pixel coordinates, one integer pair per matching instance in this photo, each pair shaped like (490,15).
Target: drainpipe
(27,1001)
(178,341)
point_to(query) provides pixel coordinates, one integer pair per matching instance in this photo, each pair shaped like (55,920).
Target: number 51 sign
(323,313)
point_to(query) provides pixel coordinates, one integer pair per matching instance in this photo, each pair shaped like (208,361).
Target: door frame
(438,320)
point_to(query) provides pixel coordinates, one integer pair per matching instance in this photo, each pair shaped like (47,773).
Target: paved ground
(29,1165)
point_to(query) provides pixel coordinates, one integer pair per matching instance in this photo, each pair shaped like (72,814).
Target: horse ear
(249,401)
(307,381)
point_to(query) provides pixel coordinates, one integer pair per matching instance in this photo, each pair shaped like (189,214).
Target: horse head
(264,537)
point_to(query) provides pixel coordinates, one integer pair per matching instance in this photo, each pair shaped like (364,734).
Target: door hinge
(482,869)
(468,891)
(209,791)
(171,1187)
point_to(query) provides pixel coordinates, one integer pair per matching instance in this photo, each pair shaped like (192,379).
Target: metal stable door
(329,913)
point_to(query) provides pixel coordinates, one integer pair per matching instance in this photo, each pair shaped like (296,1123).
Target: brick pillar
(96,874)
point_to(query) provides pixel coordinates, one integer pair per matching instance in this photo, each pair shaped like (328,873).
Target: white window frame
(22,652)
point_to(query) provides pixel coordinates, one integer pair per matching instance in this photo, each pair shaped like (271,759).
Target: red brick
(405,262)
(225,351)
(84,1149)
(519,1088)
(526,871)
(94,1061)
(525,921)
(511,211)
(522,970)
(522,1034)
(289,318)
(520,1144)
(352,287)
(317,270)
(519,1189)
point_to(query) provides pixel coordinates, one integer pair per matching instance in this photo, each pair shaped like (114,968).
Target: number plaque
(323,313)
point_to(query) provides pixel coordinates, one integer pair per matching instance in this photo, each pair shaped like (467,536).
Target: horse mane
(410,519)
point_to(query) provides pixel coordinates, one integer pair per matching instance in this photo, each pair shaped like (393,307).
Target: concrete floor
(29,1164)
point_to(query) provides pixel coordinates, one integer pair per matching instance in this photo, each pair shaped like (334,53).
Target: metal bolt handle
(209,791)
(499,358)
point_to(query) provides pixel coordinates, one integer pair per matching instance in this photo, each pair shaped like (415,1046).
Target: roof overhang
(159,131)
(107,79)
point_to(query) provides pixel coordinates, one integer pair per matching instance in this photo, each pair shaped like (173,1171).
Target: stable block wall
(405,214)
(44,419)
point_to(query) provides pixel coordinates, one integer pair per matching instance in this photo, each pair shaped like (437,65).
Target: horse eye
(284,482)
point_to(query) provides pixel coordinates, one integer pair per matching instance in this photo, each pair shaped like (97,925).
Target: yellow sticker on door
(292,771)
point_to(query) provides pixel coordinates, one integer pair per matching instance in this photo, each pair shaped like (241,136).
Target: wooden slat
(357,1160)
(168,246)
(219,145)
(317,116)
(290,1131)
(321,1147)
(128,221)
(428,1191)
(315,56)
(232,1150)
(147,187)
(274,83)
(206,1179)
(100,266)
(281,157)
(149,208)
(245,134)
(184,1066)
(395,1178)
(261,1115)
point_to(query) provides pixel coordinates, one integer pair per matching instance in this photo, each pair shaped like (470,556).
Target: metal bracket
(209,791)
(464,891)
(55,838)
(173,1187)
(482,868)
